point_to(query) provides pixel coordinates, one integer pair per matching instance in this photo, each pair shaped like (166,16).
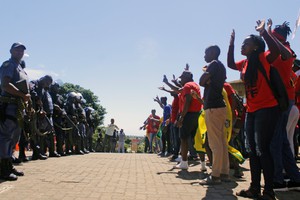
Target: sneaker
(280,187)
(203,167)
(211,181)
(182,165)
(178,159)
(292,185)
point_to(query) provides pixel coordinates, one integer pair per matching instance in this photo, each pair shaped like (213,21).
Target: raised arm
(158,101)
(274,50)
(230,53)
(284,52)
(173,87)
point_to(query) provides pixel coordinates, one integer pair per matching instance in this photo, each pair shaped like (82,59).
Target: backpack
(277,87)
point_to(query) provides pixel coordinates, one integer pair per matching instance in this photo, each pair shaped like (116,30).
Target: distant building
(239,87)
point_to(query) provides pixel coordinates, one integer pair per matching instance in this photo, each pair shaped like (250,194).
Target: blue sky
(120,49)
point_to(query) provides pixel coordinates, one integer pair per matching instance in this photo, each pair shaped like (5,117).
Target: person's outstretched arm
(230,54)
(274,50)
(284,52)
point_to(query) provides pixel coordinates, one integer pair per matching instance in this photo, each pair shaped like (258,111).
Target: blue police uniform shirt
(15,72)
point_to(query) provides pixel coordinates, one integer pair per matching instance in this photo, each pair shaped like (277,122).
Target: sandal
(250,193)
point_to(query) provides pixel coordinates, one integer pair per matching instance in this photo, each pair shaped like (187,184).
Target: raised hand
(174,80)
(269,25)
(232,37)
(260,26)
(187,67)
(156,99)
(162,88)
(165,79)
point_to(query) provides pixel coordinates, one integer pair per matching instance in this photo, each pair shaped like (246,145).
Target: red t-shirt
(175,109)
(297,90)
(261,95)
(153,125)
(284,67)
(195,105)
(229,90)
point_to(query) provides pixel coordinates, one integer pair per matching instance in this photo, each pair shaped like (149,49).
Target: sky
(120,49)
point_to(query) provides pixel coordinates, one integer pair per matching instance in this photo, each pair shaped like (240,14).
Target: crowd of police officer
(34,114)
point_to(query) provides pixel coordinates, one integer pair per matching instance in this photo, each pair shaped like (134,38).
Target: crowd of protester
(263,128)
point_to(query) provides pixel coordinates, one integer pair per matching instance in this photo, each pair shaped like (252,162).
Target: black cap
(17,44)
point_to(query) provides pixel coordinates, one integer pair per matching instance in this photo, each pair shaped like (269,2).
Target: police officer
(42,102)
(90,128)
(58,117)
(80,144)
(72,121)
(12,98)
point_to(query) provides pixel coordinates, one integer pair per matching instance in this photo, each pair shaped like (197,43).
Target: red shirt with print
(153,125)
(260,96)
(284,67)
(195,105)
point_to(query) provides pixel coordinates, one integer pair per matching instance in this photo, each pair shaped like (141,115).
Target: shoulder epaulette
(5,64)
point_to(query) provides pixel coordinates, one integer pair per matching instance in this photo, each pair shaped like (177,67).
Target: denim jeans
(152,137)
(176,139)
(260,130)
(281,151)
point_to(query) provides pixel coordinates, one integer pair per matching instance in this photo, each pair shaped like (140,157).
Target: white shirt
(110,129)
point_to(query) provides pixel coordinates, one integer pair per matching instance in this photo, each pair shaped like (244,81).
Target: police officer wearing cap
(13,101)
(44,105)
(58,117)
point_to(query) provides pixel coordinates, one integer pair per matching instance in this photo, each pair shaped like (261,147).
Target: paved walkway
(118,176)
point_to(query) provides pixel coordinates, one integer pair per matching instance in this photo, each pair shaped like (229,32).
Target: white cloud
(34,74)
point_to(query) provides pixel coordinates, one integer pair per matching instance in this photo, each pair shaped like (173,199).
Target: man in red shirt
(189,109)
(152,123)
(280,149)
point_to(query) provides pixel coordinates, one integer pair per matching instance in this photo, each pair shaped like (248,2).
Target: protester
(166,142)
(189,109)
(108,138)
(121,141)
(280,149)
(152,125)
(215,114)
(262,108)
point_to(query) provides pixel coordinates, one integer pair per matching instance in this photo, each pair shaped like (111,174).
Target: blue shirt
(167,113)
(16,73)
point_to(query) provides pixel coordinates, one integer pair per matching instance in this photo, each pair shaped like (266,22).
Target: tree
(91,100)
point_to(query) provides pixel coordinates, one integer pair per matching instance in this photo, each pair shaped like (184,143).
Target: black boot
(22,156)
(36,154)
(6,173)
(14,170)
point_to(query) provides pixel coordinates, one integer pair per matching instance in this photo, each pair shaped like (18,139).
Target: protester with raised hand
(262,107)
(281,150)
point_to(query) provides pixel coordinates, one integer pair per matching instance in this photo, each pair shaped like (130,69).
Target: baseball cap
(17,44)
